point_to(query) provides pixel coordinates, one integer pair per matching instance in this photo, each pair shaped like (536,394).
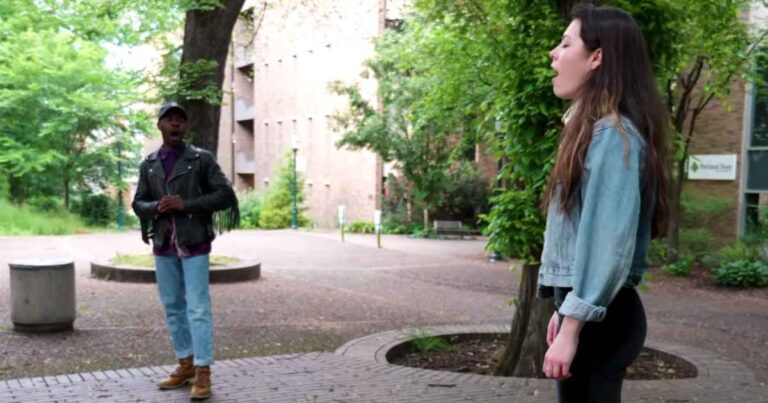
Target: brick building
(734,135)
(285,55)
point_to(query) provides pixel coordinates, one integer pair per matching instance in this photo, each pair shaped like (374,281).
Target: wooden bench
(450,227)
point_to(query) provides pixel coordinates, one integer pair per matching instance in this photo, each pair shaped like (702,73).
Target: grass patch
(23,220)
(148,260)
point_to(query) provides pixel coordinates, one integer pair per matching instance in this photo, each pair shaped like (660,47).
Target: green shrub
(425,342)
(466,194)
(742,273)
(22,220)
(711,259)
(97,210)
(250,209)
(695,241)
(361,227)
(400,229)
(46,203)
(700,210)
(657,252)
(278,205)
(131,220)
(757,233)
(682,267)
(739,250)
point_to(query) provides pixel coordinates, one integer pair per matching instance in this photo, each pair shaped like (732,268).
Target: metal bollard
(42,294)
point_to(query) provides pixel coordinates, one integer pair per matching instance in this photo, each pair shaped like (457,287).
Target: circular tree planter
(229,273)
(392,346)
(478,353)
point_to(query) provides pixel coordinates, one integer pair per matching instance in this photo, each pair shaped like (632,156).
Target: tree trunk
(66,193)
(673,230)
(527,342)
(426,220)
(564,8)
(207,34)
(16,189)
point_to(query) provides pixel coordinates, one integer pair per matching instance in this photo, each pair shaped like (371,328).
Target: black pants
(605,351)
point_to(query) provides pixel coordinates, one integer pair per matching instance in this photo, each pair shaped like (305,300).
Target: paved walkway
(317,294)
(355,374)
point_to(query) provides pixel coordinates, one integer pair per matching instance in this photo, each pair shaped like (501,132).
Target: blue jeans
(183,286)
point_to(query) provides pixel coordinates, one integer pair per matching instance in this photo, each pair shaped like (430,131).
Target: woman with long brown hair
(605,200)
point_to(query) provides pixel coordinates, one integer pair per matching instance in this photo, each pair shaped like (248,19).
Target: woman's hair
(623,84)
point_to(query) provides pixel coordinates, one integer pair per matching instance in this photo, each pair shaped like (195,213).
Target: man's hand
(170,203)
(559,357)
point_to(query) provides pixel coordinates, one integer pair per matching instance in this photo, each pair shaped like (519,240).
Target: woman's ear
(596,59)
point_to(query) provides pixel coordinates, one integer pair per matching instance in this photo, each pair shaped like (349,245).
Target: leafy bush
(682,267)
(657,252)
(466,195)
(97,210)
(742,273)
(695,241)
(425,342)
(22,220)
(46,203)
(701,210)
(400,229)
(250,209)
(757,233)
(361,227)
(395,203)
(739,250)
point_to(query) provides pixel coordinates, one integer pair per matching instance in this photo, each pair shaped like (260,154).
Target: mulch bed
(479,355)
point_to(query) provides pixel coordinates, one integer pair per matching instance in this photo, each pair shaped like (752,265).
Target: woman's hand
(559,356)
(552,328)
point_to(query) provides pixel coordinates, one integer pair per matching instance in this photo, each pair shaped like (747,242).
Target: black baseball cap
(168,108)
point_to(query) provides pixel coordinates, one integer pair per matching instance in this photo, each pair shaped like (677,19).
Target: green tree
(423,114)
(62,111)
(704,67)
(488,61)
(276,211)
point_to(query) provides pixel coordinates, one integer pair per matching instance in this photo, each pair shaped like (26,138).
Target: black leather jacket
(198,179)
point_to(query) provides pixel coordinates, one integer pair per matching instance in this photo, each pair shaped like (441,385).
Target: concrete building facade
(277,100)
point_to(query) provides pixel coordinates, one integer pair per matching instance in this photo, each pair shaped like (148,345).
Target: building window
(756,163)
(757,146)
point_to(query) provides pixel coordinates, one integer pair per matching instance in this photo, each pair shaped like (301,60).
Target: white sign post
(377,226)
(719,167)
(341,221)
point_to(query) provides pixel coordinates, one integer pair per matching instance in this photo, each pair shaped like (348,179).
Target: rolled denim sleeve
(607,229)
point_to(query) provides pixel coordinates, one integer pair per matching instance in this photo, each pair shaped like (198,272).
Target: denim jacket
(601,245)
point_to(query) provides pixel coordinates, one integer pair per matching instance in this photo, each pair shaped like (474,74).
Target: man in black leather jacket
(182,199)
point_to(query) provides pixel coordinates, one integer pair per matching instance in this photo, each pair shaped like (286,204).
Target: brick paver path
(354,375)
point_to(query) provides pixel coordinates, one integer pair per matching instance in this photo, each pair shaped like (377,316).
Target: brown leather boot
(201,389)
(182,375)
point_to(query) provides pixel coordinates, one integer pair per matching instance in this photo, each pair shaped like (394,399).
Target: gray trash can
(42,294)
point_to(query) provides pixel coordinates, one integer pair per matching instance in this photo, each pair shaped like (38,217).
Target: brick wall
(298,51)
(719,130)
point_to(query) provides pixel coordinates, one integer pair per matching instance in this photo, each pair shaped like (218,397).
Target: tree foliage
(704,67)
(64,120)
(278,204)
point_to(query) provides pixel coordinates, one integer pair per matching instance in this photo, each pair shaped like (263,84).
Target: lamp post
(120,207)
(294,185)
